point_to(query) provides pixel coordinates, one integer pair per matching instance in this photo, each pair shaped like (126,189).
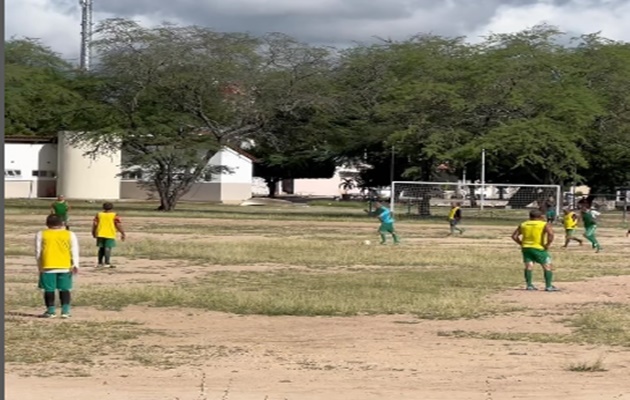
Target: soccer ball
(366,242)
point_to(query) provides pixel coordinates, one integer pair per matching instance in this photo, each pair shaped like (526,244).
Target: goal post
(425,199)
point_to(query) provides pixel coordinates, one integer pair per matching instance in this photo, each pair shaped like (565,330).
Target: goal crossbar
(400,192)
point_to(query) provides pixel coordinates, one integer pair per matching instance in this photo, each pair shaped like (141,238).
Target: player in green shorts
(589,217)
(387,222)
(535,236)
(61,208)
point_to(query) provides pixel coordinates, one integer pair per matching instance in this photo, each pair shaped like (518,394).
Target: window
(12,173)
(44,174)
(134,175)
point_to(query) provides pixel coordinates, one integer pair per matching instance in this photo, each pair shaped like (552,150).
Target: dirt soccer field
(238,306)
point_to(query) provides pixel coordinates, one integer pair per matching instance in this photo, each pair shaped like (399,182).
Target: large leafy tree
(39,92)
(295,100)
(172,96)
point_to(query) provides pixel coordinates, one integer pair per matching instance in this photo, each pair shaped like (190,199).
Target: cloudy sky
(338,22)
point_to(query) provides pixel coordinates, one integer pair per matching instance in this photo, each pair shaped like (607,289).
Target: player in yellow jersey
(535,236)
(57,255)
(105,226)
(454,218)
(570,225)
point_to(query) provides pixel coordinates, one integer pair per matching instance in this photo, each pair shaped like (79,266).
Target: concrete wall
(202,191)
(82,177)
(31,160)
(324,187)
(240,167)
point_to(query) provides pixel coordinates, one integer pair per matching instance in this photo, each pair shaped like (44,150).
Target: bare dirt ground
(364,358)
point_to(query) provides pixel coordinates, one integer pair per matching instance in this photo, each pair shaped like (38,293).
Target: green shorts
(51,281)
(551,214)
(536,256)
(105,242)
(386,227)
(569,232)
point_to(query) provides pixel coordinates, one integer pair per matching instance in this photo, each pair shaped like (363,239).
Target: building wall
(202,191)
(240,167)
(37,166)
(82,177)
(324,187)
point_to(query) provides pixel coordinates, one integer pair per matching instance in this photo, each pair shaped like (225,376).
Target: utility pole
(483,178)
(86,34)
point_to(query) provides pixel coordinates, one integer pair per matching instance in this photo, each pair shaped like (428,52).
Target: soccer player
(535,236)
(61,209)
(387,222)
(454,218)
(570,224)
(57,255)
(104,228)
(589,217)
(550,210)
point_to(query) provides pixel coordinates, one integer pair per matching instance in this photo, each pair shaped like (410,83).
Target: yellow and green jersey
(455,213)
(570,220)
(533,234)
(57,249)
(106,225)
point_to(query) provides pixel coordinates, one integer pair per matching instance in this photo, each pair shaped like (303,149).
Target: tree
(295,99)
(172,96)
(39,94)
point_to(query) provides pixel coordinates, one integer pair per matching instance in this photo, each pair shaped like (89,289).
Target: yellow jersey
(453,213)
(570,221)
(533,234)
(55,249)
(106,225)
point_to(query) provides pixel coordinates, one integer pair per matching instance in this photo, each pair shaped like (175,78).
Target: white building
(44,167)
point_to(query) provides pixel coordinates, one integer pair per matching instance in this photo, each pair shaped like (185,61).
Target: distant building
(36,167)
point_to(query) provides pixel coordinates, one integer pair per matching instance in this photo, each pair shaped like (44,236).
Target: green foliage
(38,89)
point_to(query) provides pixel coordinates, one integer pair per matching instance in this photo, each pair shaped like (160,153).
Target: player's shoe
(48,315)
(552,289)
(598,248)
(531,287)
(65,316)
(110,266)
(100,265)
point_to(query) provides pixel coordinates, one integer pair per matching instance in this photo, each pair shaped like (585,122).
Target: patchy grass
(607,324)
(588,366)
(41,341)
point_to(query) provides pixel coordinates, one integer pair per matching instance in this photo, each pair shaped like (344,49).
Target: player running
(570,225)
(61,208)
(387,222)
(535,236)
(104,228)
(454,218)
(589,217)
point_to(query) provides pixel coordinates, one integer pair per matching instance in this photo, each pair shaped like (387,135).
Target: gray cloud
(336,22)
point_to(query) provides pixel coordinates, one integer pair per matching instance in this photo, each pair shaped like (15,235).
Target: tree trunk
(272,186)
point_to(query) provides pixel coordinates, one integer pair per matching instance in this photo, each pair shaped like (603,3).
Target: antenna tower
(86,33)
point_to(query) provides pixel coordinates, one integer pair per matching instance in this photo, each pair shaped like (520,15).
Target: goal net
(425,199)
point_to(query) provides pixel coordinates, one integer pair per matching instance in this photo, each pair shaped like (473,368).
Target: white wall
(82,177)
(324,187)
(29,157)
(240,167)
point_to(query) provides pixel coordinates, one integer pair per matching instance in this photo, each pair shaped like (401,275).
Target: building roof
(242,152)
(30,139)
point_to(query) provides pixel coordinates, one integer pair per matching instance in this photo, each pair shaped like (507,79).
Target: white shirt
(74,249)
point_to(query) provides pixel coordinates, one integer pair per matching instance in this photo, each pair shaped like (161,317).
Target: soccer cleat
(65,316)
(110,266)
(552,289)
(48,315)
(531,287)
(100,265)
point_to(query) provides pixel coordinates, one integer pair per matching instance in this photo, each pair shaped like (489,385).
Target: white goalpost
(435,198)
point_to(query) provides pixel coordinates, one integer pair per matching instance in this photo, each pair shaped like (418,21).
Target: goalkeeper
(387,222)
